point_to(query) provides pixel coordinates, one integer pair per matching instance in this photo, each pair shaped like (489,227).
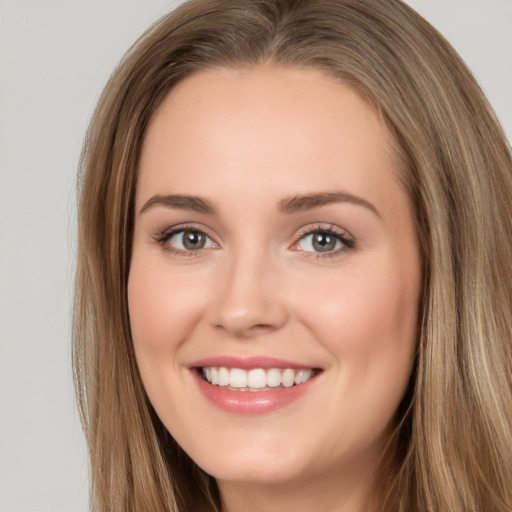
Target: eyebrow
(180,202)
(287,205)
(309,201)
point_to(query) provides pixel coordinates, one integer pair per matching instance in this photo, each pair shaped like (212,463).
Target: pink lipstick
(252,385)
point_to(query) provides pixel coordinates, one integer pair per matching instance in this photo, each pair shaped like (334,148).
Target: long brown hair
(454,439)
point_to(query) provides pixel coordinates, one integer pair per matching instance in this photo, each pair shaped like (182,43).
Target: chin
(254,467)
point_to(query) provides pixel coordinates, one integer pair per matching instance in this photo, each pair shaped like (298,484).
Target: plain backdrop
(55,56)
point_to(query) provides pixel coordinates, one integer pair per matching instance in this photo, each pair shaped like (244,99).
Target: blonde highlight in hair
(453,442)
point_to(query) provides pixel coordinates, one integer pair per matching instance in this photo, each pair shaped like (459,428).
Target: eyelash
(165,236)
(348,242)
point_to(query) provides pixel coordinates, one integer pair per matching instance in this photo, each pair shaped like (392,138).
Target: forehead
(283,129)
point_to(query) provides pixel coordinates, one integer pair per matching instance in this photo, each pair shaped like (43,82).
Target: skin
(244,140)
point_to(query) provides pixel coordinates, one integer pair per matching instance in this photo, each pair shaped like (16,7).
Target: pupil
(323,242)
(193,240)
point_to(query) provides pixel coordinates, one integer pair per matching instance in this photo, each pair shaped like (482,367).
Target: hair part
(454,437)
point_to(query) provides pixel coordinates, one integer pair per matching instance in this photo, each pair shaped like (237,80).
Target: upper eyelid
(163,238)
(165,234)
(185,227)
(330,228)
(327,228)
(344,236)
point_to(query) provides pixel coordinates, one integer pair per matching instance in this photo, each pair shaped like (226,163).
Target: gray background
(55,57)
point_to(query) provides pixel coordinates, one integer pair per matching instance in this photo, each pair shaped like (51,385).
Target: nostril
(244,326)
(261,327)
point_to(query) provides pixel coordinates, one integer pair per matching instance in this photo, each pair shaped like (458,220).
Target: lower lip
(251,402)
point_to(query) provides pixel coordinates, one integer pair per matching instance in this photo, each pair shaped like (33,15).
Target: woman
(293,284)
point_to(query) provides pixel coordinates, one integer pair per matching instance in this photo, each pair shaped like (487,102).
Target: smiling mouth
(256,379)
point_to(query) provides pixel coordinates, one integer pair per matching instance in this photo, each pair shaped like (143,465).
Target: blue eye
(187,240)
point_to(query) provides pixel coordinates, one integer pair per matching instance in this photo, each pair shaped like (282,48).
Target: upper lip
(247,362)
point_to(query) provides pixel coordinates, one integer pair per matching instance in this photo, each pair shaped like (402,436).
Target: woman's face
(273,245)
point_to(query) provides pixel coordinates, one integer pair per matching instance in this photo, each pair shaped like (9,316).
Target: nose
(248,302)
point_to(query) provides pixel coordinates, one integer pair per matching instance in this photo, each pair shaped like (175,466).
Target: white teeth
(273,377)
(303,376)
(237,378)
(288,378)
(223,377)
(257,378)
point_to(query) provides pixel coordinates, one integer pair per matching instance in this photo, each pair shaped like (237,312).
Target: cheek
(164,307)
(365,309)
(367,319)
